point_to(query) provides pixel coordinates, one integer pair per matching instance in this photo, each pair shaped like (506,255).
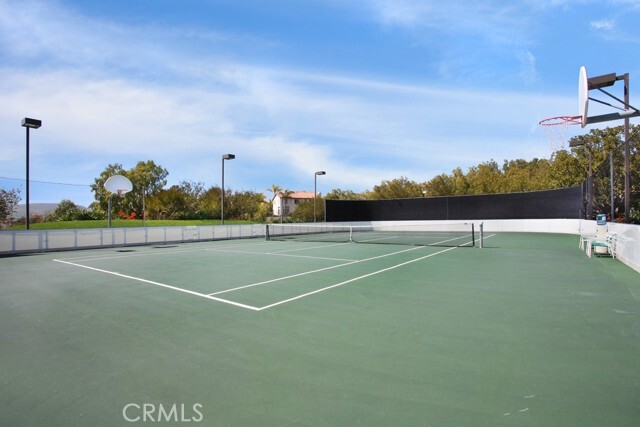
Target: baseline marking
(151,282)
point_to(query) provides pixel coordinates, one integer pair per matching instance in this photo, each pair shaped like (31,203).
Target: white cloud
(603,25)
(503,23)
(528,71)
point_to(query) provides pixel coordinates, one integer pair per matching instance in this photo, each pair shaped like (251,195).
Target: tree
(8,201)
(275,190)
(193,192)
(440,185)
(485,178)
(147,178)
(244,205)
(460,182)
(339,194)
(210,203)
(565,170)
(520,175)
(168,204)
(304,211)
(399,188)
(66,211)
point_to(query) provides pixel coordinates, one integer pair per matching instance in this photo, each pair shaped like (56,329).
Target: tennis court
(525,331)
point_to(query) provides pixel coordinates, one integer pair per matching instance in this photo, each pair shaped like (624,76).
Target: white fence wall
(14,242)
(627,244)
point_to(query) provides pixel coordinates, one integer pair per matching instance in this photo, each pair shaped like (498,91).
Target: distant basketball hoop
(117,184)
(556,130)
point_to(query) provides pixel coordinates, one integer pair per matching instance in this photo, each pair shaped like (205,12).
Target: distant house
(285,205)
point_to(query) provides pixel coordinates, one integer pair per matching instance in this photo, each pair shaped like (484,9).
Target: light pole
(29,124)
(224,157)
(315,186)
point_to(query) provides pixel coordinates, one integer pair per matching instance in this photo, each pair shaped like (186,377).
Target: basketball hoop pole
(109,215)
(627,153)
(626,112)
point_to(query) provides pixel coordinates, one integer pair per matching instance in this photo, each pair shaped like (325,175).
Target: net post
(473,235)
(481,235)
(266,232)
(350,234)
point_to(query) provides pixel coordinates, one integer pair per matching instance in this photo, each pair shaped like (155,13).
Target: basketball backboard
(586,84)
(118,184)
(583,96)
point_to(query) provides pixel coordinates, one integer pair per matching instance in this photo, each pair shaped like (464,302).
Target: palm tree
(275,189)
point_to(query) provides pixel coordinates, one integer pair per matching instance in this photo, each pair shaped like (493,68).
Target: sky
(366,90)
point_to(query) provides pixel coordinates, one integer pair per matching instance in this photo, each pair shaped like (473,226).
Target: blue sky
(367,90)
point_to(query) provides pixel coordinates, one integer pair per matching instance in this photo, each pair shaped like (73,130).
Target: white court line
(316,271)
(401,237)
(309,247)
(317,291)
(360,277)
(154,253)
(249,307)
(281,254)
(128,255)
(151,282)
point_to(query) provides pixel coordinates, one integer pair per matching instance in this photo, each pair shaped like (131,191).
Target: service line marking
(281,254)
(364,276)
(278,279)
(317,291)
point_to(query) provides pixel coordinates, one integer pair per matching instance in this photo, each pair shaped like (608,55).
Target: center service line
(354,279)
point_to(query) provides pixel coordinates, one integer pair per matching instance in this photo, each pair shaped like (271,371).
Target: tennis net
(435,234)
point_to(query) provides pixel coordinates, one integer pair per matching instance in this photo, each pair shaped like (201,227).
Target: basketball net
(556,130)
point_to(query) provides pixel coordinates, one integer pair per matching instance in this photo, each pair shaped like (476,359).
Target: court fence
(14,242)
(559,203)
(25,241)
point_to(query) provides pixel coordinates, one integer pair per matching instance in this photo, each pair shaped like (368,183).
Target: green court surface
(527,331)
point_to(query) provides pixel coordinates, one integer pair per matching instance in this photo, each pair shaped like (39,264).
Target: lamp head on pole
(228,156)
(576,142)
(31,123)
(321,173)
